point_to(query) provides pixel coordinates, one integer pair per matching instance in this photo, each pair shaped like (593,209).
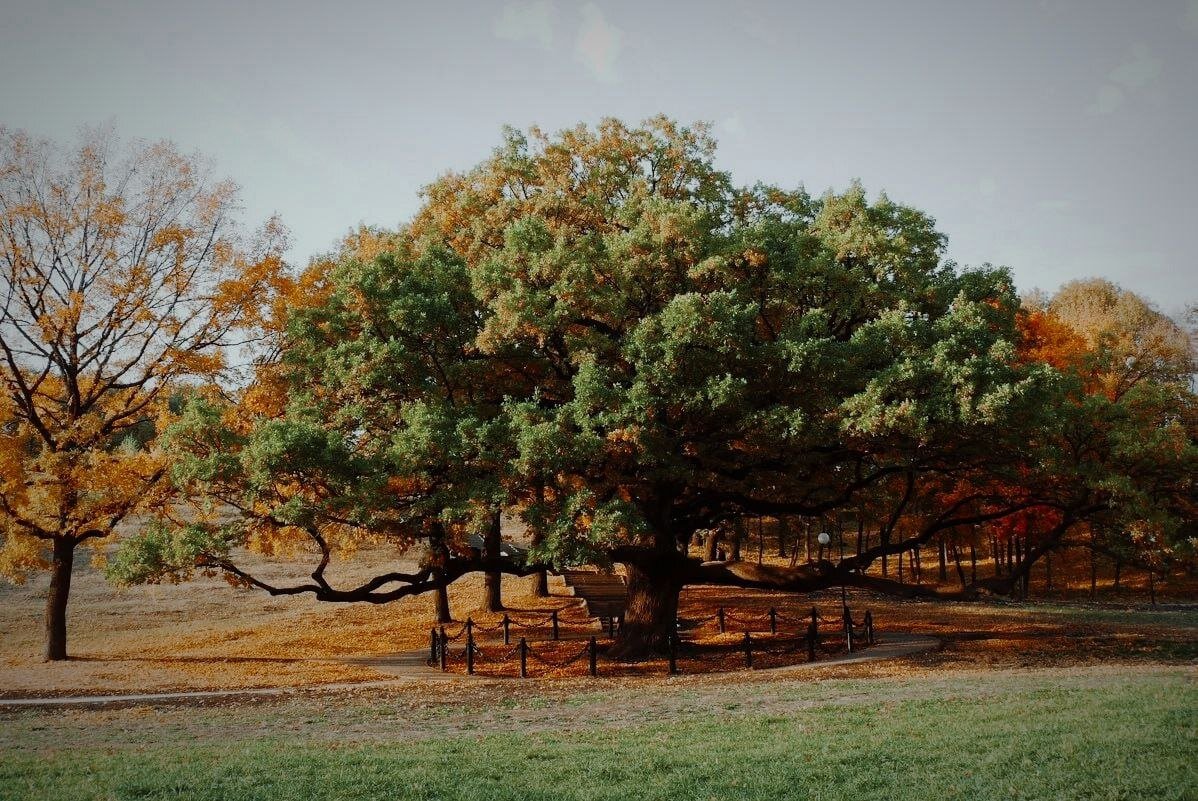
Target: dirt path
(411,666)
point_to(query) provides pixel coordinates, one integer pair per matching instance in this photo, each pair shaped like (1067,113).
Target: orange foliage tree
(124,278)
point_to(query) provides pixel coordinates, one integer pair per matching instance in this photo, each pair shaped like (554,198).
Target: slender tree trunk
(900,567)
(738,530)
(1048,572)
(1093,566)
(917,564)
(957,560)
(63,561)
(973,562)
(994,554)
(650,616)
(783,533)
(1118,571)
(1152,586)
(760,539)
(943,554)
(493,579)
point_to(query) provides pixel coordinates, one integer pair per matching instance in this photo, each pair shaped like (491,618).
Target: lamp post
(824,538)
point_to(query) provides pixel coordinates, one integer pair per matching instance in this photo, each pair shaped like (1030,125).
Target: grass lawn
(1112,734)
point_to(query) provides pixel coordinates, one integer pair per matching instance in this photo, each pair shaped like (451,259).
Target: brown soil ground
(207,635)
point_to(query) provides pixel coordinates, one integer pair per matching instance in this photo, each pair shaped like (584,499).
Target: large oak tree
(599,330)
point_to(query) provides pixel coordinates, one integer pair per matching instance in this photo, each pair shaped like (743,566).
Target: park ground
(1057,698)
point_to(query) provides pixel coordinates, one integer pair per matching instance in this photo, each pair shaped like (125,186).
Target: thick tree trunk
(651,615)
(540,582)
(441,595)
(493,583)
(63,561)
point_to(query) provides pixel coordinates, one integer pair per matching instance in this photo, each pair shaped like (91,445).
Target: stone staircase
(604,594)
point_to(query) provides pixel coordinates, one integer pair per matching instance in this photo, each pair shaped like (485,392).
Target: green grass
(1115,737)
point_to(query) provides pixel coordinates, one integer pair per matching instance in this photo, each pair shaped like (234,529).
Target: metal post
(869,627)
(444,649)
(553,618)
(848,630)
(720,616)
(523,658)
(507,629)
(469,627)
(673,645)
(773,620)
(611,625)
(432,650)
(593,657)
(812,636)
(748,650)
(469,653)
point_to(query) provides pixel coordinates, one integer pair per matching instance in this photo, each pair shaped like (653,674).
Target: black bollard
(869,627)
(673,645)
(469,653)
(553,617)
(432,649)
(720,616)
(812,638)
(507,629)
(444,648)
(748,650)
(773,620)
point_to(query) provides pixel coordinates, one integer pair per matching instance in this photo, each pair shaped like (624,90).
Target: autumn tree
(124,278)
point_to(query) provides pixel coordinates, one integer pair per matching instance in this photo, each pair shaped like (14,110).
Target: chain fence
(808,638)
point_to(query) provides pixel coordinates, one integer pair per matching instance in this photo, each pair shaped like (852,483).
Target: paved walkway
(411,666)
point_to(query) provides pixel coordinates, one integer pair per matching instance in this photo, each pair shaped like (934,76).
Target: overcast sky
(1059,138)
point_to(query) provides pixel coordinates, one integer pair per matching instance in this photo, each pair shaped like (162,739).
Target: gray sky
(1056,137)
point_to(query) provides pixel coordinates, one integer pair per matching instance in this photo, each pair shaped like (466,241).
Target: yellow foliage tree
(124,280)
